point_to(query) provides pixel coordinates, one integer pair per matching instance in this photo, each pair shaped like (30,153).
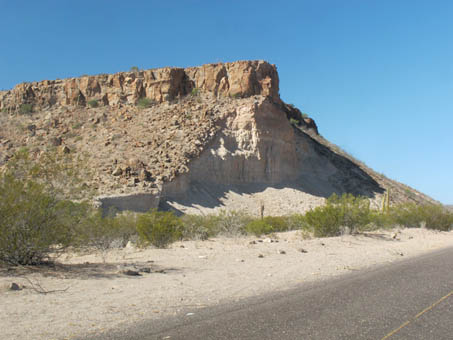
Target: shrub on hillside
(144,103)
(159,228)
(93,103)
(26,109)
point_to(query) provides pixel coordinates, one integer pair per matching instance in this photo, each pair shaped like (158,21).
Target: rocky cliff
(206,138)
(238,79)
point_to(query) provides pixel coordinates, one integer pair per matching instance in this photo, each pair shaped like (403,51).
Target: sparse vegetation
(93,103)
(294,122)
(195,92)
(144,103)
(134,69)
(159,228)
(26,109)
(77,126)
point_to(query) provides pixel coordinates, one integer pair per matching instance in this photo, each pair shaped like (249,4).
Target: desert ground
(94,293)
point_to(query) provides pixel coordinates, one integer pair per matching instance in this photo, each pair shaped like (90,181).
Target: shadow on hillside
(323,172)
(348,177)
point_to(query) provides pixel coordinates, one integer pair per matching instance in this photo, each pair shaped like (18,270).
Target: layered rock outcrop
(238,79)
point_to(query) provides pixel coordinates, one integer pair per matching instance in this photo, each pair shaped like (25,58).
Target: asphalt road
(412,299)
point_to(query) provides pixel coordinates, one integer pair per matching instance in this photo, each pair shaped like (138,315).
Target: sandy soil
(93,296)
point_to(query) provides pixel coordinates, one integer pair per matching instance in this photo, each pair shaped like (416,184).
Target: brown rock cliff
(236,79)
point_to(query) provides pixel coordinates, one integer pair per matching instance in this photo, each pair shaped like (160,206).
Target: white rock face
(255,145)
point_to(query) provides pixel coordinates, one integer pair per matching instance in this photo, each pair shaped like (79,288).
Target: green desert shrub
(104,232)
(354,211)
(324,221)
(31,228)
(278,223)
(268,225)
(294,122)
(159,228)
(378,219)
(127,227)
(144,103)
(407,215)
(198,227)
(259,227)
(437,217)
(411,215)
(296,221)
(26,109)
(231,222)
(93,103)
(195,92)
(339,213)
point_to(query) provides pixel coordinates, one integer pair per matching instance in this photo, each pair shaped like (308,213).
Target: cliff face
(215,137)
(238,79)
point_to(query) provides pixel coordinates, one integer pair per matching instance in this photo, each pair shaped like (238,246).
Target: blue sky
(376,75)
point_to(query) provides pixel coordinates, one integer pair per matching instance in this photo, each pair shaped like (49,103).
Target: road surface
(411,299)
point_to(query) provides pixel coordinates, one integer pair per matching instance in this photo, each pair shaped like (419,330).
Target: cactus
(385,206)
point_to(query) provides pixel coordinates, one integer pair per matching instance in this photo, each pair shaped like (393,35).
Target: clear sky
(376,75)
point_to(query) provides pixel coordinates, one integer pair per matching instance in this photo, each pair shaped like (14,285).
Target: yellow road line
(417,316)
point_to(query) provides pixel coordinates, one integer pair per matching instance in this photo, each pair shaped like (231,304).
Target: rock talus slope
(212,137)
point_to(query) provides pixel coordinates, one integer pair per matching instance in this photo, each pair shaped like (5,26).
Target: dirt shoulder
(85,294)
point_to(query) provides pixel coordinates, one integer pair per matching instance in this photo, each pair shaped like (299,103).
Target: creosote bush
(346,212)
(268,225)
(31,223)
(431,216)
(199,227)
(354,214)
(159,228)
